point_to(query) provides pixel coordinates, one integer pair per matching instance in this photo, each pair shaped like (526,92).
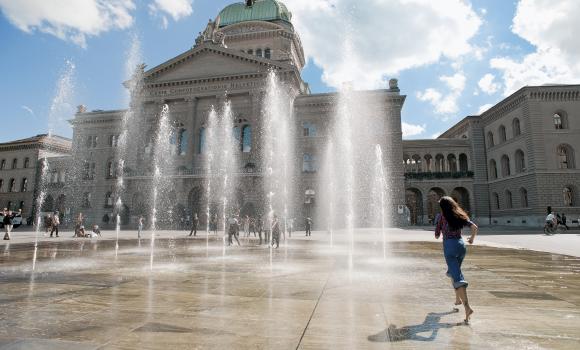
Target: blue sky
(451,60)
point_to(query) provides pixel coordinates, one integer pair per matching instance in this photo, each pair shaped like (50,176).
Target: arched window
(490,141)
(309,163)
(493,169)
(268,53)
(14,163)
(439,163)
(54,177)
(505,166)
(11,185)
(62,176)
(182,139)
(565,157)
(520,162)
(21,206)
(524,197)
(250,52)
(568,196)
(516,128)
(1,185)
(452,163)
(428,163)
(3,164)
(508,199)
(26,162)
(417,164)
(502,134)
(247,139)
(9,206)
(201,141)
(24,185)
(560,121)
(496,204)
(463,164)
(259,52)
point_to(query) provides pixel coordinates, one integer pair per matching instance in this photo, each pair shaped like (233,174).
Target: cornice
(564,95)
(542,93)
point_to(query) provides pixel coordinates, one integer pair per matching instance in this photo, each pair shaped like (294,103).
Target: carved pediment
(209,62)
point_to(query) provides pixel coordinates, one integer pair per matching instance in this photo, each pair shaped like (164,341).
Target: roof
(42,141)
(259,10)
(38,138)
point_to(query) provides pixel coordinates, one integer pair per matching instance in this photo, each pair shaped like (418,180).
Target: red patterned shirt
(442,226)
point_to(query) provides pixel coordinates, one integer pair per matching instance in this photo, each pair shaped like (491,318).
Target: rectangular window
(309,129)
(92,141)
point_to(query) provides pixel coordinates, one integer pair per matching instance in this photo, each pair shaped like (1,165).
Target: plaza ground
(190,293)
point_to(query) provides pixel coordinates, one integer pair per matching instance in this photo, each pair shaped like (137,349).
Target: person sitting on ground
(95,233)
(551,220)
(79,227)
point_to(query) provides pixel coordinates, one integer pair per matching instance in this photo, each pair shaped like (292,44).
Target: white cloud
(552,27)
(445,104)
(484,108)
(412,129)
(72,20)
(436,135)
(176,9)
(487,84)
(381,38)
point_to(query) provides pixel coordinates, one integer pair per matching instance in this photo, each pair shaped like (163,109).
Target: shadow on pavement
(431,325)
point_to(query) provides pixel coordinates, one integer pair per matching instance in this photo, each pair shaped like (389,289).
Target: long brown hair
(456,217)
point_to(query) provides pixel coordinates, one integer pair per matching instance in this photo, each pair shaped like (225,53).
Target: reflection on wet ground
(306,295)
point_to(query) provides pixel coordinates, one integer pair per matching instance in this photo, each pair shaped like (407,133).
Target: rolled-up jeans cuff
(460,284)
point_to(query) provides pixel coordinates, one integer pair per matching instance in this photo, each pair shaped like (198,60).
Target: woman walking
(450,223)
(8,224)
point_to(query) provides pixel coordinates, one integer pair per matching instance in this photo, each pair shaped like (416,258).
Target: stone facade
(522,152)
(234,68)
(505,166)
(20,164)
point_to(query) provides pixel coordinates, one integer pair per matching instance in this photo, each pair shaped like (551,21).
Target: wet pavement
(197,294)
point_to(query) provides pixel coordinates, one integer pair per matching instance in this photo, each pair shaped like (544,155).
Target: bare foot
(468,313)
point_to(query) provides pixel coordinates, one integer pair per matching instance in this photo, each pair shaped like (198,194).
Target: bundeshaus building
(505,166)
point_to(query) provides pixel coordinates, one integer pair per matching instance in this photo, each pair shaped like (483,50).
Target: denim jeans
(454,250)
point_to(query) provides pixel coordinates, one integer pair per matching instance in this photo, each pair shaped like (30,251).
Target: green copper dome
(257,10)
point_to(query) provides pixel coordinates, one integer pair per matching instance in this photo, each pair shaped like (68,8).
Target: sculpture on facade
(211,34)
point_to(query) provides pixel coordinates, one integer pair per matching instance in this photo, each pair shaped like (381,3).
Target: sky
(453,58)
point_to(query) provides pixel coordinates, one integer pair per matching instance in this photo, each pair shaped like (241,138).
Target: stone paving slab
(196,294)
